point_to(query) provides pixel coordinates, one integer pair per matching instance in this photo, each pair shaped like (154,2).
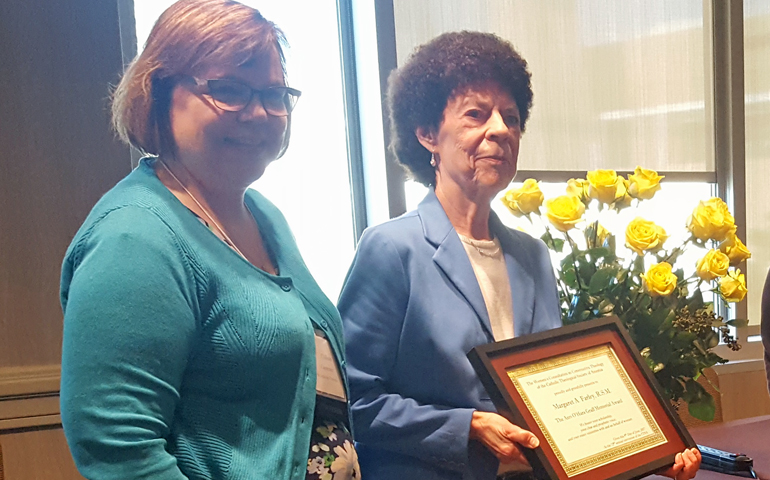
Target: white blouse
(488,263)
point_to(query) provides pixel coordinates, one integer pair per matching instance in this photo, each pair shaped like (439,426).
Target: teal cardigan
(180,359)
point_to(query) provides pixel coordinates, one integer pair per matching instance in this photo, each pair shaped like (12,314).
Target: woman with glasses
(196,343)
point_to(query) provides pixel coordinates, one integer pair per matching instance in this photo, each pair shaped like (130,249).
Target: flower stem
(564,287)
(573,247)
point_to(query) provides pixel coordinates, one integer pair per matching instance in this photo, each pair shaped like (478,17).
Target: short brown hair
(188,38)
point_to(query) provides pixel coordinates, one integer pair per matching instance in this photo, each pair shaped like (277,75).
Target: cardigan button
(286,287)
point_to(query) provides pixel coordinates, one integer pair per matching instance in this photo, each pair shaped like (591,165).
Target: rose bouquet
(642,280)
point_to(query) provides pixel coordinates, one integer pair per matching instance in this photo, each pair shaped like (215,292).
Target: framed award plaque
(588,395)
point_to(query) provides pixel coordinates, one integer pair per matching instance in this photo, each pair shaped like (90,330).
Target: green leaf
(599,252)
(586,269)
(704,408)
(558,245)
(548,240)
(569,277)
(696,301)
(679,274)
(576,311)
(660,316)
(693,391)
(699,345)
(605,307)
(738,322)
(712,339)
(601,280)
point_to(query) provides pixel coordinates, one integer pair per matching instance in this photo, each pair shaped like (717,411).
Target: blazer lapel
(522,283)
(451,257)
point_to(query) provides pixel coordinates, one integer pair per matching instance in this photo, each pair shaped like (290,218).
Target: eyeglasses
(233,96)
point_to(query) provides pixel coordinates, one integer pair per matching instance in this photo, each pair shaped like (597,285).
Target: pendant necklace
(221,230)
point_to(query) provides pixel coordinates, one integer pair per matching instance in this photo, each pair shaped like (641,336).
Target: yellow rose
(579,188)
(643,183)
(733,286)
(713,265)
(735,250)
(605,185)
(712,220)
(564,211)
(524,200)
(644,235)
(659,280)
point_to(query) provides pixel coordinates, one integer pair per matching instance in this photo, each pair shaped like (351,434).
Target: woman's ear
(427,138)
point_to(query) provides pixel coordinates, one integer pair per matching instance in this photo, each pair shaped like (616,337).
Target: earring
(432,159)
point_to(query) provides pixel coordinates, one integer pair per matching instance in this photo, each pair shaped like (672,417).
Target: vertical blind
(617,84)
(756,39)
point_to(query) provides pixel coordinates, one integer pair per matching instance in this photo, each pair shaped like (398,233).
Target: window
(617,84)
(310,183)
(650,83)
(756,41)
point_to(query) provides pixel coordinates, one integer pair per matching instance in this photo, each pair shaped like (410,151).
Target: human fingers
(674,470)
(493,431)
(691,459)
(521,436)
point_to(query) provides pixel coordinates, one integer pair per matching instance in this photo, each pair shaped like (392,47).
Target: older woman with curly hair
(427,287)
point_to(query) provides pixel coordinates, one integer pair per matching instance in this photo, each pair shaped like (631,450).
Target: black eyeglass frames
(233,96)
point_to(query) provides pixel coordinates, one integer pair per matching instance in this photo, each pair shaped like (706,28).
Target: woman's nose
(254,110)
(496,125)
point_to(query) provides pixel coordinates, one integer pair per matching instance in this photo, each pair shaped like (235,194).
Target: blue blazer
(412,309)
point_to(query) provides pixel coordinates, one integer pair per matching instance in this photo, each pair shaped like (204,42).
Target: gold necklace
(484,250)
(221,230)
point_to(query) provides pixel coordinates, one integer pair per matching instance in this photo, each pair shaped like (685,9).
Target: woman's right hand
(501,437)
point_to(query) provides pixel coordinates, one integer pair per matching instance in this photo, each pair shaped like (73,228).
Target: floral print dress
(332,453)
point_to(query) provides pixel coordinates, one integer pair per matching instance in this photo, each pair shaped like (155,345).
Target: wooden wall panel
(743,388)
(37,455)
(58,157)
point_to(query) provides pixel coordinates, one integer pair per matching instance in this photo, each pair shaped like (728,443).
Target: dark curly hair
(419,91)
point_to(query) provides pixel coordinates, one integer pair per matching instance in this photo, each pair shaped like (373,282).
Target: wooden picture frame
(587,394)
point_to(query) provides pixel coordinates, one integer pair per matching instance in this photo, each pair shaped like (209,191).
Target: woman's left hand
(686,465)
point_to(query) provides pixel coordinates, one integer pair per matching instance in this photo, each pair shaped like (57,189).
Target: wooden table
(749,436)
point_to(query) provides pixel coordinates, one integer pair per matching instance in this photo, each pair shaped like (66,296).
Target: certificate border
(492,361)
(654,439)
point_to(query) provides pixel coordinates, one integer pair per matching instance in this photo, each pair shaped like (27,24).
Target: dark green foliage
(675,333)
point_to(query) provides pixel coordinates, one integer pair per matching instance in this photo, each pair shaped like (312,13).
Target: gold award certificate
(587,408)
